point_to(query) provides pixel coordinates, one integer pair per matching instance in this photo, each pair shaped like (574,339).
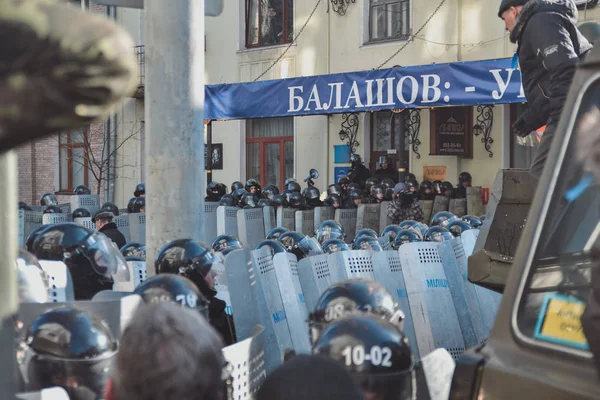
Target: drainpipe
(110,127)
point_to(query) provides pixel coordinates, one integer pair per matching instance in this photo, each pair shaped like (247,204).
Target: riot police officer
(214,191)
(140,190)
(358,172)
(386,171)
(464,181)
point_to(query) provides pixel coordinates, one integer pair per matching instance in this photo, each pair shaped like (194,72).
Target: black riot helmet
(355,159)
(334,189)
(437,187)
(294,187)
(250,200)
(385,160)
(288,180)
(463,178)
(336,200)
(134,250)
(32,281)
(377,190)
(408,177)
(299,245)
(353,186)
(189,258)
(365,232)
(139,205)
(72,349)
(412,185)
(276,232)
(225,244)
(457,227)
(32,236)
(24,206)
(351,296)
(264,203)
(275,246)
(473,221)
(295,200)
(140,190)
(439,218)
(48,199)
(355,195)
(366,243)
(376,354)
(389,194)
(252,186)
(215,190)
(270,191)
(279,200)
(446,186)
(131,205)
(93,261)
(81,213)
(426,186)
(236,185)
(227,200)
(329,230)
(312,195)
(437,234)
(52,210)
(405,236)
(175,289)
(237,196)
(82,189)
(287,195)
(369,183)
(344,182)
(110,207)
(335,245)
(388,183)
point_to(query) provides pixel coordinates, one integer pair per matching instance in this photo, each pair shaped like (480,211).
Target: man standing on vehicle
(549,48)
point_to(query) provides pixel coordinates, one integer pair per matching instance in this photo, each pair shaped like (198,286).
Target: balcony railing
(141,62)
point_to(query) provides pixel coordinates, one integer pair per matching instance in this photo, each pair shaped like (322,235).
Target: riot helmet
(409,223)
(214,191)
(140,190)
(32,281)
(437,234)
(249,200)
(334,189)
(312,195)
(236,185)
(412,184)
(457,227)
(384,160)
(94,263)
(369,183)
(175,289)
(464,178)
(52,210)
(227,200)
(110,207)
(426,187)
(134,250)
(355,159)
(419,228)
(252,186)
(280,201)
(237,196)
(366,243)
(336,200)
(264,203)
(351,296)
(48,199)
(405,236)
(446,186)
(437,187)
(344,182)
(270,191)
(72,349)
(335,245)
(389,194)
(295,200)
(139,205)
(82,190)
(299,245)
(440,217)
(355,195)
(294,187)
(353,186)
(81,213)
(391,231)
(473,221)
(388,183)
(329,230)
(275,246)
(32,236)
(131,205)
(276,232)
(24,206)
(225,244)
(378,192)
(366,232)
(408,177)
(288,180)
(376,354)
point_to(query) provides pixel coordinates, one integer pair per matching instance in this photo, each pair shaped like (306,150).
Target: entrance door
(388,137)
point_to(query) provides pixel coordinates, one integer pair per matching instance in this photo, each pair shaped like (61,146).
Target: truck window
(558,281)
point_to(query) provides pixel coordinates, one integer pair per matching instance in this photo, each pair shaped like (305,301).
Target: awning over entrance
(436,85)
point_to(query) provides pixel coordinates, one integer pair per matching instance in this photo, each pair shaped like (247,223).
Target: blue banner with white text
(436,85)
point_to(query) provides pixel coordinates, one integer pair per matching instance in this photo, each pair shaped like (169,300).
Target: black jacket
(549,48)
(387,173)
(113,234)
(359,174)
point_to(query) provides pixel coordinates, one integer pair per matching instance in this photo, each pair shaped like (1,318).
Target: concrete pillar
(175,172)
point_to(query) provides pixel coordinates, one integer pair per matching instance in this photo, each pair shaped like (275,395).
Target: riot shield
(122,222)
(351,264)
(434,316)
(238,270)
(286,218)
(221,286)
(441,203)
(305,222)
(347,218)
(251,226)
(387,271)
(315,276)
(286,269)
(59,280)
(384,220)
(269,218)
(65,208)
(137,227)
(87,222)
(28,222)
(51,219)
(210,222)
(427,207)
(367,217)
(90,202)
(323,214)
(468,240)
(227,223)
(458,207)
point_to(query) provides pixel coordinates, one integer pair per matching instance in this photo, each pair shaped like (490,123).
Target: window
(389,20)
(73,159)
(522,150)
(388,136)
(558,281)
(270,150)
(269,22)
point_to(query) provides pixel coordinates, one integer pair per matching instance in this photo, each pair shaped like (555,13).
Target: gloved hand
(520,128)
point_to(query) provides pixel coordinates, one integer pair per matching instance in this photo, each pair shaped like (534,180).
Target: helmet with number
(270,191)
(189,258)
(140,190)
(294,187)
(353,186)
(408,177)
(388,183)
(376,354)
(329,230)
(252,186)
(334,189)
(457,227)
(350,296)
(236,185)
(365,232)
(405,236)
(377,190)
(214,191)
(299,245)
(227,200)
(110,207)
(81,213)
(366,243)
(52,210)
(439,218)
(312,195)
(473,221)
(369,183)
(93,261)
(335,200)
(280,200)
(264,203)
(335,245)
(295,200)
(276,232)
(134,250)
(72,349)
(32,281)
(437,234)
(175,289)
(355,159)
(139,205)
(250,200)
(275,246)
(225,244)
(391,231)
(82,189)
(464,177)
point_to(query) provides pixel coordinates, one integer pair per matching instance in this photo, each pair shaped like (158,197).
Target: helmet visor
(310,247)
(105,257)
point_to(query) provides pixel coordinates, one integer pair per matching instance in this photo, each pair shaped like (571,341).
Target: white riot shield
(59,280)
(221,286)
(315,276)
(137,227)
(286,218)
(87,222)
(122,222)
(270,219)
(323,214)
(65,208)
(463,292)
(210,222)
(31,221)
(347,218)
(286,269)
(468,240)
(251,226)
(227,223)
(90,202)
(138,272)
(387,270)
(438,367)
(434,316)
(351,264)
(367,217)
(51,219)
(240,278)
(384,220)
(305,222)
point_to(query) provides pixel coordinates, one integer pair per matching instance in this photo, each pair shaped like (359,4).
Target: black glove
(520,128)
